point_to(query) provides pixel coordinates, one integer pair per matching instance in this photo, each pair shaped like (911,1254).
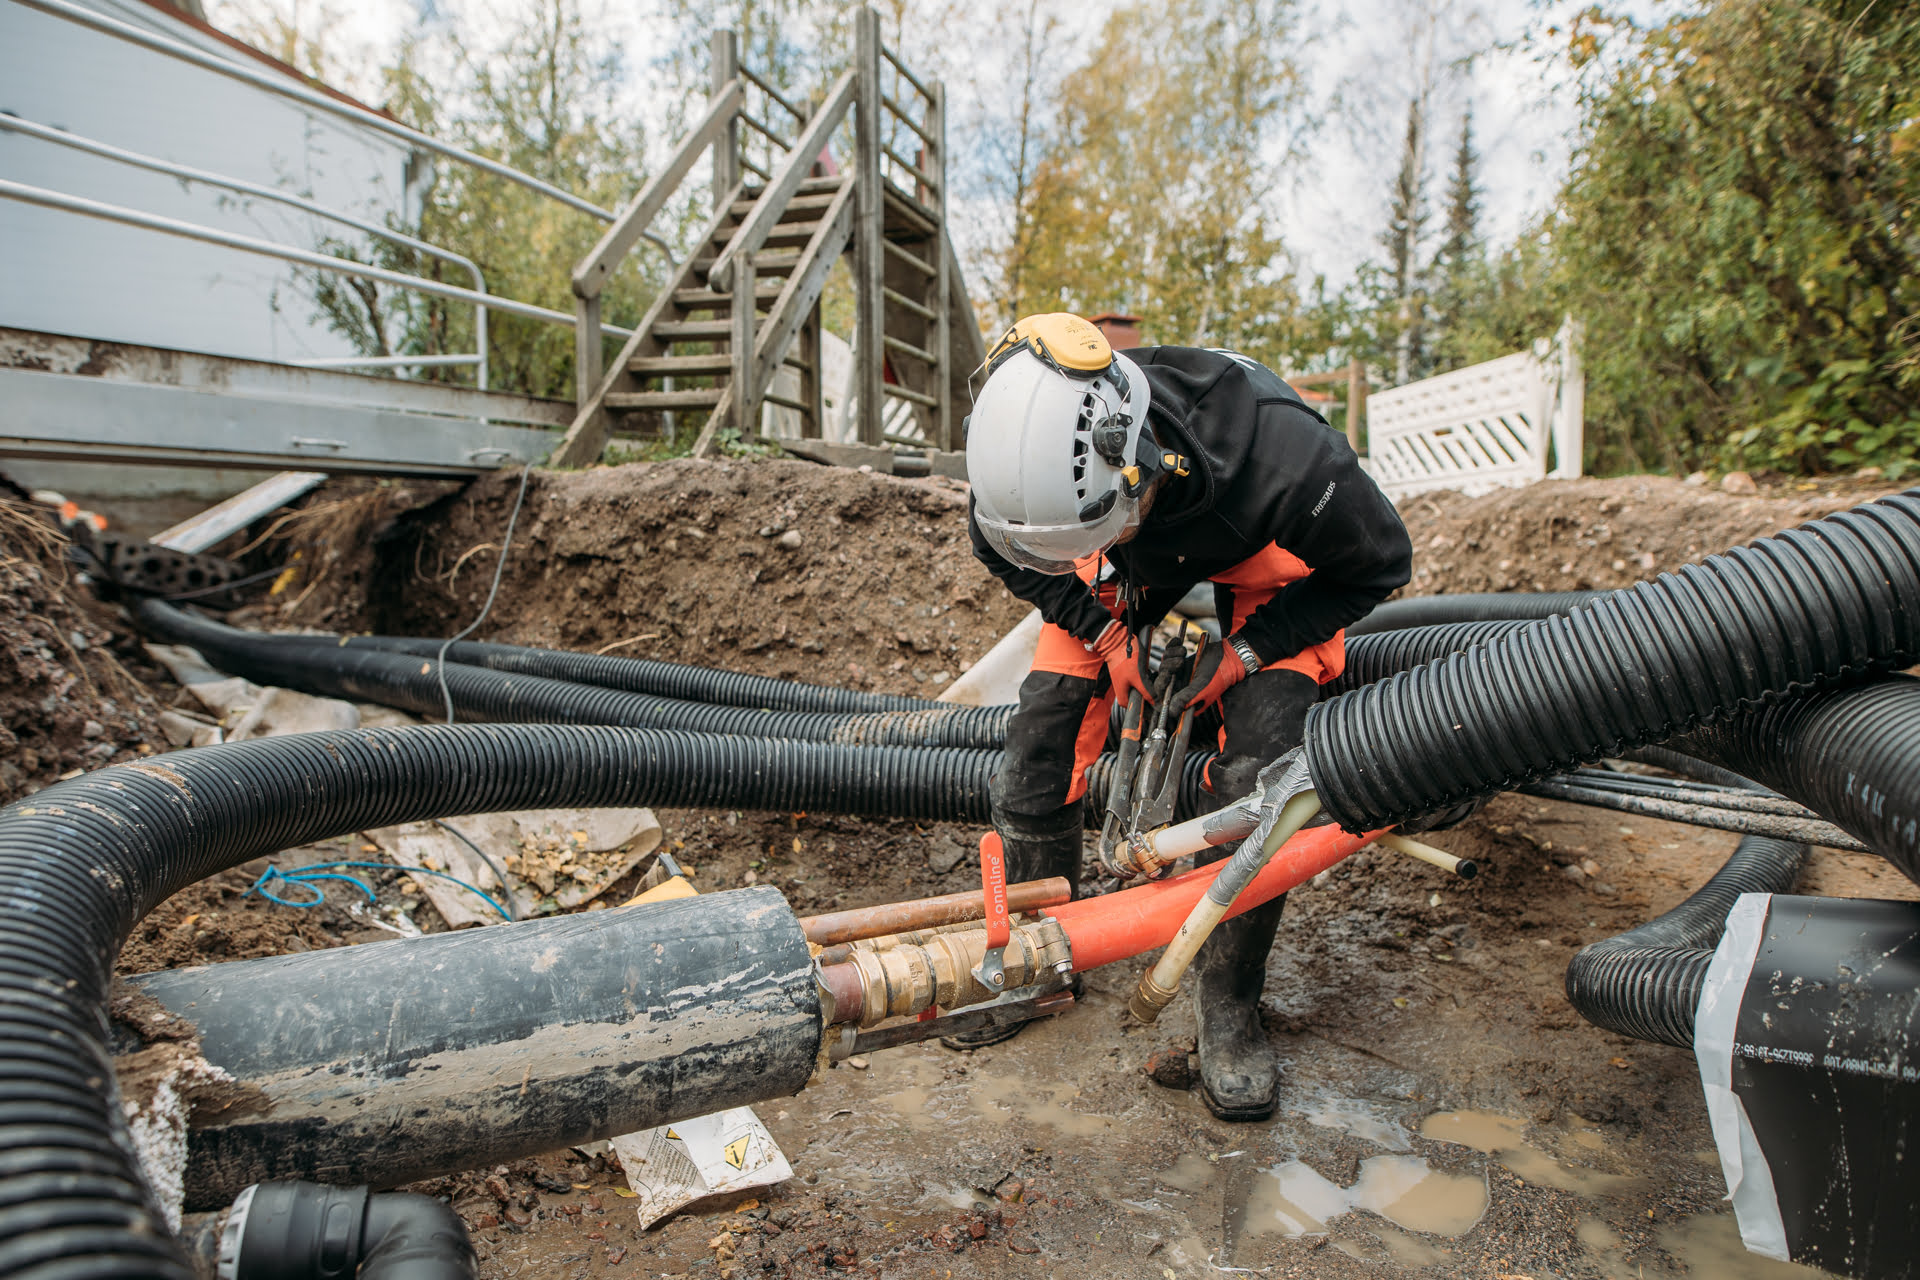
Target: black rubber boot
(1239,1079)
(1036,848)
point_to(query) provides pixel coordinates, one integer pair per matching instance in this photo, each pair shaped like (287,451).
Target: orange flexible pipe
(1118,925)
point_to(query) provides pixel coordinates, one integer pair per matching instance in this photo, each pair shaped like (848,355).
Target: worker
(1105,486)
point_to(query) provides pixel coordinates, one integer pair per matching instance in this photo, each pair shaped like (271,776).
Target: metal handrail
(282,85)
(61,137)
(26,194)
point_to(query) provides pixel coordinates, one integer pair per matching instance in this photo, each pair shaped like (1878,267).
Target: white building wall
(64,274)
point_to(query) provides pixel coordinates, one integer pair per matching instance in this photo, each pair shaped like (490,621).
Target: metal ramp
(737,325)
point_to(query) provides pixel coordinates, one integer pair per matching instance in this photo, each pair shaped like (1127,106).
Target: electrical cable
(499,569)
(499,872)
(305,878)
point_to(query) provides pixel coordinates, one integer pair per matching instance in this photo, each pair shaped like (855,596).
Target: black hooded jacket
(1264,469)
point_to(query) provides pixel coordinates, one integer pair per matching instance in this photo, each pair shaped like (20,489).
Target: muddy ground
(1446,1113)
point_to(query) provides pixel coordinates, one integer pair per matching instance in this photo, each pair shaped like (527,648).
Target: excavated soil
(780,568)
(1586,535)
(1420,1019)
(68,700)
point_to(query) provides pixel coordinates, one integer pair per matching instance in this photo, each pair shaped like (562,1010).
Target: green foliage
(1739,236)
(542,103)
(1150,196)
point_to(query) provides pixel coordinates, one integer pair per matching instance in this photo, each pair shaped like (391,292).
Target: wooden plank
(589,348)
(869,230)
(210,527)
(924,178)
(910,351)
(663,366)
(691,398)
(724,66)
(708,300)
(773,93)
(591,275)
(902,300)
(899,392)
(917,217)
(784,185)
(900,114)
(899,254)
(693,330)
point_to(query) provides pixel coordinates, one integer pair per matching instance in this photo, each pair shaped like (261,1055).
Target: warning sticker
(673,1166)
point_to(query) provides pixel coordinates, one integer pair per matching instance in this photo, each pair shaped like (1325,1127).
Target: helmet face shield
(1057,549)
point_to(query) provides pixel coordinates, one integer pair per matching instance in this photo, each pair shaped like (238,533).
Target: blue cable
(331,871)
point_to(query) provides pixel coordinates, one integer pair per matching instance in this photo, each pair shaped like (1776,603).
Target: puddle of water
(1190,1173)
(917,1079)
(1503,1138)
(1358,1119)
(1596,1235)
(1292,1199)
(1408,1251)
(994,1096)
(1709,1245)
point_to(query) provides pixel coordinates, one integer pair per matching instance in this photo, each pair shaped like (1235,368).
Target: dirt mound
(1577,535)
(67,698)
(776,567)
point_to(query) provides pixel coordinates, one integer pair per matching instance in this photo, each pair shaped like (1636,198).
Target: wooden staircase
(744,305)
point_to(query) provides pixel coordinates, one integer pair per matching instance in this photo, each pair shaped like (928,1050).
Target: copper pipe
(842,986)
(928,913)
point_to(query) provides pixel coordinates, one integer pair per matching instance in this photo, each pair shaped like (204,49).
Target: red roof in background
(206,28)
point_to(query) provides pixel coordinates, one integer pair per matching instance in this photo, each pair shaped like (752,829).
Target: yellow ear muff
(1061,339)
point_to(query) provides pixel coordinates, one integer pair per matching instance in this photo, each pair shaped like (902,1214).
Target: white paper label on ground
(674,1165)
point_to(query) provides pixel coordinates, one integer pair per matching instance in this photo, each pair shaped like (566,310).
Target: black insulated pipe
(394,1061)
(646,675)
(329,669)
(1646,982)
(305,1231)
(1833,599)
(1486,606)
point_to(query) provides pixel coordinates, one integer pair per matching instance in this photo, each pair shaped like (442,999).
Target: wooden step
(793,232)
(669,366)
(708,300)
(766,264)
(795,207)
(693,330)
(695,398)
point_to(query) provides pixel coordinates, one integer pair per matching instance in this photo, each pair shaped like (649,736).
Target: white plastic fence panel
(1484,427)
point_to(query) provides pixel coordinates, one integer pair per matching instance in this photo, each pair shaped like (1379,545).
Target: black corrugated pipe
(1836,598)
(330,669)
(1480,606)
(1853,755)
(1646,982)
(305,1231)
(645,675)
(82,861)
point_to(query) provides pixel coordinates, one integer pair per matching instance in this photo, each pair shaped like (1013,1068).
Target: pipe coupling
(1149,998)
(907,980)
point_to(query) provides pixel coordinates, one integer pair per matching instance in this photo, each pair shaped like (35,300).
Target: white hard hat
(1053,444)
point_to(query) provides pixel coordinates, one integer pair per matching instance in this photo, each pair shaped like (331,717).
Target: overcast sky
(1363,59)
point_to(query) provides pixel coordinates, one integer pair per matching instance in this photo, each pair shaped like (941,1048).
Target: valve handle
(993,884)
